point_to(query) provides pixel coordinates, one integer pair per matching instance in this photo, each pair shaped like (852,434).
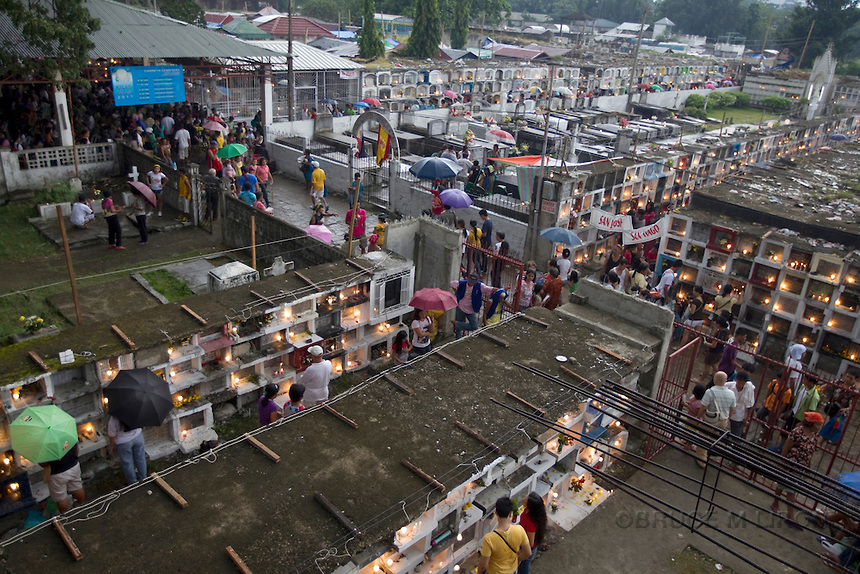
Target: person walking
(157,180)
(466,318)
(316,377)
(718,405)
(744,392)
(318,185)
(184,196)
(356,224)
(129,444)
(798,448)
(111,215)
(506,545)
(355,186)
(138,207)
(264,176)
(534,521)
(212,159)
(183,143)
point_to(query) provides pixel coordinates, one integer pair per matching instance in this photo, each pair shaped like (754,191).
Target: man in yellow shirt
(506,546)
(318,185)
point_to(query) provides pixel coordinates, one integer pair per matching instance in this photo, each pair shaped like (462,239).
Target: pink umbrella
(372,102)
(214,126)
(320,232)
(711,86)
(433,299)
(144,191)
(503,136)
(450,94)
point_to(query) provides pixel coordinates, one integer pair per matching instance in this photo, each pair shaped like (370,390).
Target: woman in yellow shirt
(474,240)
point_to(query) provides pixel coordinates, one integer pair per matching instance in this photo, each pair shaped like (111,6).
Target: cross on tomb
(132,175)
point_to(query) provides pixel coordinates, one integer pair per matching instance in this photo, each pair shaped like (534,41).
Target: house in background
(304,29)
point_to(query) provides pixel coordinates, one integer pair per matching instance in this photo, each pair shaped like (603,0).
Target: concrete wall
(650,317)
(273,237)
(410,201)
(434,248)
(32,169)
(673,99)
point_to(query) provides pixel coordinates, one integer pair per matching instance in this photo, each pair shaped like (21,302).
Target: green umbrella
(43,434)
(232,150)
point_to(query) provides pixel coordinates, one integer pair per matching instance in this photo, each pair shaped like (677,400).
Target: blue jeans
(132,457)
(464,322)
(526,565)
(264,187)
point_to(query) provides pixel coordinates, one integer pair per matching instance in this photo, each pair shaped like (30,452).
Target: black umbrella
(138,398)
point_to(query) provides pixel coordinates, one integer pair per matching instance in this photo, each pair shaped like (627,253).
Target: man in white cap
(316,377)
(318,185)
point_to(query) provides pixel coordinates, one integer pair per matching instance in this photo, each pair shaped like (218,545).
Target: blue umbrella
(839,137)
(328,101)
(361,105)
(561,235)
(850,479)
(435,168)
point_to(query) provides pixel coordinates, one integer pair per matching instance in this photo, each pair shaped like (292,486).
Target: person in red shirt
(552,290)
(533,521)
(358,231)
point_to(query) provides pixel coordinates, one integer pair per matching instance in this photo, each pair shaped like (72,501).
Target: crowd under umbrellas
(48,436)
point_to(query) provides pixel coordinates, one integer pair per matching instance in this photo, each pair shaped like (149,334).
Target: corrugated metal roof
(128,32)
(305,58)
(279,27)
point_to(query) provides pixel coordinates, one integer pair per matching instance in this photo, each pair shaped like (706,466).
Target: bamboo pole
(253,243)
(69,266)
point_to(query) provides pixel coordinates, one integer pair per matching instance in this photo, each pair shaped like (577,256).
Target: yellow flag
(382,146)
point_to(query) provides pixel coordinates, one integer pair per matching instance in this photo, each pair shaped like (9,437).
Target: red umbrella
(214,126)
(503,136)
(451,95)
(643,86)
(144,191)
(372,102)
(433,299)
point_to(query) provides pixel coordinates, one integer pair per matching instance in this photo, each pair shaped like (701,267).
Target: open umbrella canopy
(643,86)
(144,191)
(435,168)
(456,198)
(433,299)
(328,101)
(657,88)
(362,104)
(232,150)
(320,232)
(43,434)
(839,137)
(562,91)
(139,398)
(372,102)
(561,235)
(711,85)
(214,126)
(450,94)
(503,136)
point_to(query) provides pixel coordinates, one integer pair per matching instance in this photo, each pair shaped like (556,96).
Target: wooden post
(536,409)
(177,498)
(341,416)
(237,560)
(478,437)
(423,475)
(263,448)
(253,244)
(340,516)
(67,540)
(69,266)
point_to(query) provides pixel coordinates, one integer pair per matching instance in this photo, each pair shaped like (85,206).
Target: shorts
(183,153)
(713,358)
(157,191)
(67,481)
(317,194)
(694,324)
(362,242)
(183,204)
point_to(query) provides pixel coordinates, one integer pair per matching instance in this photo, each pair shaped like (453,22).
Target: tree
(60,29)
(695,101)
(426,31)
(776,103)
(184,10)
(460,31)
(491,12)
(370,44)
(834,23)
(742,100)
(321,9)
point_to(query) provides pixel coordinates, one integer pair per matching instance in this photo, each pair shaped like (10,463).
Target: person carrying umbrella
(129,444)
(63,476)
(138,208)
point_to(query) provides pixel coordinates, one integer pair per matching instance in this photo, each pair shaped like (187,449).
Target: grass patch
(690,560)
(244,421)
(12,307)
(168,285)
(20,241)
(740,116)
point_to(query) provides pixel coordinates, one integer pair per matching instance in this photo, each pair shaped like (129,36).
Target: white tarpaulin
(606,221)
(643,234)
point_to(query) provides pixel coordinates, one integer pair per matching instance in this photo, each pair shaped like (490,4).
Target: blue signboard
(135,85)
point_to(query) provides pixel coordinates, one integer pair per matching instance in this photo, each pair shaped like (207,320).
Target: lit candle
(169,351)
(179,398)
(105,400)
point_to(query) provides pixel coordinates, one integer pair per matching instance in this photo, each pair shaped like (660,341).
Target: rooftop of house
(267,512)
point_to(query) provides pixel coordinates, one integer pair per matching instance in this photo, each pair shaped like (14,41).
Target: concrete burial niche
(231,275)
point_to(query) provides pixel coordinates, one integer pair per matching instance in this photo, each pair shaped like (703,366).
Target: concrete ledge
(149,288)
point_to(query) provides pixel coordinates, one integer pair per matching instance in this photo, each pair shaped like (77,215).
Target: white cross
(132,175)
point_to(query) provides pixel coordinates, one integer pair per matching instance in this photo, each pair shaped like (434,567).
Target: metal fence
(496,270)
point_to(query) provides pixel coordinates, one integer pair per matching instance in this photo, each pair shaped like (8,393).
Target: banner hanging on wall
(139,85)
(644,234)
(606,221)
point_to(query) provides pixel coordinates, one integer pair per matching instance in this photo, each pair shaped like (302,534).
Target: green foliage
(460,31)
(184,10)
(426,31)
(698,113)
(322,9)
(848,67)
(834,24)
(491,12)
(168,285)
(20,241)
(776,103)
(57,192)
(716,17)
(742,100)
(60,28)
(370,44)
(695,101)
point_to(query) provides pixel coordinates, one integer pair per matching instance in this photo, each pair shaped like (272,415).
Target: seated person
(82,213)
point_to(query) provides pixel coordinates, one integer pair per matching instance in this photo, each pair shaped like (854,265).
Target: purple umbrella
(456,198)
(320,232)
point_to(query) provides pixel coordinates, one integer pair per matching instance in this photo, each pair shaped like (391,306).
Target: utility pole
(766,32)
(292,77)
(538,198)
(635,61)
(805,44)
